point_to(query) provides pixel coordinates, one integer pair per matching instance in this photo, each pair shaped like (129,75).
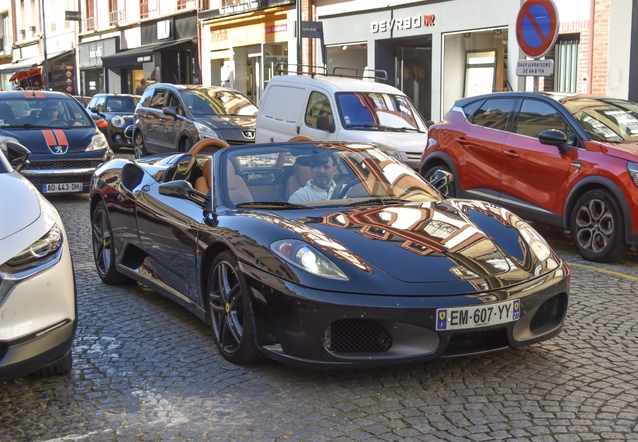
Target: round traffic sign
(537,27)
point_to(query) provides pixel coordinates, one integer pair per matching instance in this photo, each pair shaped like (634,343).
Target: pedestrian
(142,87)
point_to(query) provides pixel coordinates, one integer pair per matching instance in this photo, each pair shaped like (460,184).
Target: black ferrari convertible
(370,266)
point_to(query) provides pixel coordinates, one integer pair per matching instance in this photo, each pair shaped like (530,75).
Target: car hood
(229,122)
(626,151)
(42,141)
(440,242)
(15,192)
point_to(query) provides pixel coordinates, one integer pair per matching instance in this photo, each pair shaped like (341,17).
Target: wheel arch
(599,183)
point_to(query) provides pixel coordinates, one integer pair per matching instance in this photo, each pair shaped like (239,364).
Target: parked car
(171,118)
(333,107)
(118,110)
(386,271)
(569,162)
(38,315)
(82,99)
(66,146)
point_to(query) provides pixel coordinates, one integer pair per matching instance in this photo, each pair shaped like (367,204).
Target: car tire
(103,250)
(449,190)
(230,311)
(139,147)
(185,144)
(597,227)
(60,366)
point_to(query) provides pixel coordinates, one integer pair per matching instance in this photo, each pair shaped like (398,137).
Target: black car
(386,271)
(118,111)
(66,146)
(171,118)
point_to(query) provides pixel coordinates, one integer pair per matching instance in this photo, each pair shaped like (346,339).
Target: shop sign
(402,24)
(236,9)
(144,58)
(271,29)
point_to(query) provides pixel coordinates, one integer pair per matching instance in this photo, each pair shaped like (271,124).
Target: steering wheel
(59,123)
(300,138)
(344,190)
(207,142)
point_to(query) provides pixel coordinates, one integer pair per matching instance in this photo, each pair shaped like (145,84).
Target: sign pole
(45,65)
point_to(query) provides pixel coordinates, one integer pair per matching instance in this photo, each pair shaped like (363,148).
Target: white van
(334,108)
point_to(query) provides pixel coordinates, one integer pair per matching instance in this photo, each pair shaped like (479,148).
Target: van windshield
(378,111)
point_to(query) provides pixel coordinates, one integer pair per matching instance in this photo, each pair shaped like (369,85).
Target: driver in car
(49,115)
(323,167)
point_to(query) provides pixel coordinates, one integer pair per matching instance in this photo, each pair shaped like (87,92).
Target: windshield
(51,112)
(213,101)
(289,176)
(378,111)
(612,120)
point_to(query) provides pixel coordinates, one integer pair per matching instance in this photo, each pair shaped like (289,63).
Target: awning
(28,63)
(140,54)
(23,75)
(22,65)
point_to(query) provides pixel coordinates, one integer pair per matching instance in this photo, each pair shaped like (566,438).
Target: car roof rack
(313,71)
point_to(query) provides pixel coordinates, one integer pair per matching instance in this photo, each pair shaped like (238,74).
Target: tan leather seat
(237,188)
(202,184)
(300,176)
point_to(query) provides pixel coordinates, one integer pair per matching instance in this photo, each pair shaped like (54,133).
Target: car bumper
(37,317)
(309,327)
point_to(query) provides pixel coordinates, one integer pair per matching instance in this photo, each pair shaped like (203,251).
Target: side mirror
(18,155)
(170,111)
(181,189)
(553,137)
(323,123)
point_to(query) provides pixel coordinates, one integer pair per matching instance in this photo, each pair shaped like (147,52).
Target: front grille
(550,313)
(64,164)
(358,336)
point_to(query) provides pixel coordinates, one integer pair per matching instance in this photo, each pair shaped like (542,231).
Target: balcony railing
(116,17)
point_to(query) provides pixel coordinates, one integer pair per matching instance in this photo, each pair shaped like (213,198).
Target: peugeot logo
(58,150)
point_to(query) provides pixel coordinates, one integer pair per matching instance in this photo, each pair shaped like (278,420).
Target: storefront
(168,53)
(90,64)
(244,44)
(434,52)
(27,73)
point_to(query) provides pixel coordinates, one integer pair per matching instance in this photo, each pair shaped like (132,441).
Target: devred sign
(537,27)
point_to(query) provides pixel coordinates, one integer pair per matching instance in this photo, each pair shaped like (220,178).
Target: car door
(479,145)
(153,121)
(534,175)
(168,231)
(96,102)
(173,127)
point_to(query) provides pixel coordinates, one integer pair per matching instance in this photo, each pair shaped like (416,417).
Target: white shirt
(310,192)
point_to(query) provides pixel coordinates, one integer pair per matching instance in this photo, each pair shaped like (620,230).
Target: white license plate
(62,187)
(459,318)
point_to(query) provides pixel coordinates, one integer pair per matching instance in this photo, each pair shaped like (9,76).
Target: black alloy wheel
(230,311)
(598,228)
(103,250)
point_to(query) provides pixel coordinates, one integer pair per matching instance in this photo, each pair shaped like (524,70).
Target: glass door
(414,75)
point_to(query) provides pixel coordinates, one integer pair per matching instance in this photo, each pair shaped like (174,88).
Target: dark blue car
(66,146)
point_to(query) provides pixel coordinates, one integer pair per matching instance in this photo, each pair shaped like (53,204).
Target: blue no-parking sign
(537,27)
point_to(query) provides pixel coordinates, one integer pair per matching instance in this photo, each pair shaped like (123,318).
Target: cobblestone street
(146,369)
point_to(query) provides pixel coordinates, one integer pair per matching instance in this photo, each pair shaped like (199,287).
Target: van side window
(318,105)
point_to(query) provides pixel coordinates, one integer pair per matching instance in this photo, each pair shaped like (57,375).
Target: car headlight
(306,257)
(37,254)
(98,142)
(205,131)
(632,169)
(117,121)
(536,242)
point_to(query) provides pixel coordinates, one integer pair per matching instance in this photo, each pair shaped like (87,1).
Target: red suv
(570,162)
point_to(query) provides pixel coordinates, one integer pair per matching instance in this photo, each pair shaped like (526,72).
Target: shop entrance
(413,67)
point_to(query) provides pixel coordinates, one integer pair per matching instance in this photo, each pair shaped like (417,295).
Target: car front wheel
(231,312)
(103,250)
(598,228)
(140,149)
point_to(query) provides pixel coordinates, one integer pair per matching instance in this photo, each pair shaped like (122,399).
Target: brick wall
(601,47)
